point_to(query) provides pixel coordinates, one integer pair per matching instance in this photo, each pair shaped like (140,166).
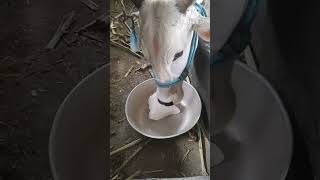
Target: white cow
(166,30)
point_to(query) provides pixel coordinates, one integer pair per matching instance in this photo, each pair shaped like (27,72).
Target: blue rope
(193,48)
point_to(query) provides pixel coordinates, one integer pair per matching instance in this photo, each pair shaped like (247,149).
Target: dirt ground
(166,157)
(33,81)
(174,157)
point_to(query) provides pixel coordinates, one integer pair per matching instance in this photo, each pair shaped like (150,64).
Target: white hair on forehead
(159,13)
(159,20)
(163,14)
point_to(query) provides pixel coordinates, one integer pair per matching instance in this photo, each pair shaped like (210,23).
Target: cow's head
(166,29)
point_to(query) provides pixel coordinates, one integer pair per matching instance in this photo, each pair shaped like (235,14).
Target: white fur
(161,18)
(158,111)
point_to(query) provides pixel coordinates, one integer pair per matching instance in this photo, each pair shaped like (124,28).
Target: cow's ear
(202,27)
(183,5)
(137,3)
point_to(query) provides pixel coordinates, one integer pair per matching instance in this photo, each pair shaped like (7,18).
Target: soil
(168,158)
(165,155)
(34,81)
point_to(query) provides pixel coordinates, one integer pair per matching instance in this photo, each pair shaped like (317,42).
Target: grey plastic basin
(249,124)
(78,140)
(77,145)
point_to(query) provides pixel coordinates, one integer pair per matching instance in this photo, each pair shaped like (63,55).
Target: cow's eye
(177,55)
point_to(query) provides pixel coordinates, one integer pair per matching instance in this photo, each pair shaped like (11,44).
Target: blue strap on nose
(193,48)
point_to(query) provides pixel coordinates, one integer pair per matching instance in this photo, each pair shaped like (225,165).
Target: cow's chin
(159,111)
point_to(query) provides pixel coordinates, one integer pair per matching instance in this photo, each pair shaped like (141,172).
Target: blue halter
(193,48)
